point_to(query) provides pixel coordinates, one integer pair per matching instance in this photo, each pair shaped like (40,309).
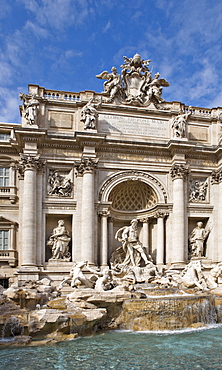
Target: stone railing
(9,192)
(10,256)
(199,111)
(61,95)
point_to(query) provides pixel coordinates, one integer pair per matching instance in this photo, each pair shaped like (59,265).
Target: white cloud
(9,106)
(107,27)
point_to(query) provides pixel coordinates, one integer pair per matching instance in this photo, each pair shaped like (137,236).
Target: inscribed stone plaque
(198,133)
(121,125)
(61,120)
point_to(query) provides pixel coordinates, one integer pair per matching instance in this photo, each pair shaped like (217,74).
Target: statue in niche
(89,114)
(59,185)
(179,124)
(198,191)
(196,240)
(131,251)
(59,243)
(113,84)
(31,108)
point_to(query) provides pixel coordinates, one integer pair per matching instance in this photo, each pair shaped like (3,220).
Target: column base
(27,273)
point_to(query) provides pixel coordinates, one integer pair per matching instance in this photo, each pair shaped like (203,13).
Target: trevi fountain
(110,229)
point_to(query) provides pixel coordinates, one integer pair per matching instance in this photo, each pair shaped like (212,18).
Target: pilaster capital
(87,165)
(179,171)
(216,176)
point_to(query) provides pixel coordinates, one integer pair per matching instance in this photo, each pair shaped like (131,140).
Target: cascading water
(12,327)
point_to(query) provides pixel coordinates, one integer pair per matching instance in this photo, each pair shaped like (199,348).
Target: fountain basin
(167,312)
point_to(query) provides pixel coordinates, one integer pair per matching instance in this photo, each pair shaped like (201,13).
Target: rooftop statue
(30,107)
(135,85)
(89,114)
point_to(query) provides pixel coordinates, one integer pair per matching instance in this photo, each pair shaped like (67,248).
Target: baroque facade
(82,165)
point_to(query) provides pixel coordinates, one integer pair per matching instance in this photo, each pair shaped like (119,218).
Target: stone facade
(98,160)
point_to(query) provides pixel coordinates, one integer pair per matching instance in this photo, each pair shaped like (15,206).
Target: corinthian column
(87,169)
(216,193)
(29,166)
(179,173)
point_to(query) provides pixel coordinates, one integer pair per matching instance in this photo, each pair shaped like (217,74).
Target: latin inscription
(122,125)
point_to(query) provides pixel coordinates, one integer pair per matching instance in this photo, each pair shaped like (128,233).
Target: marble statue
(89,114)
(214,275)
(99,280)
(154,88)
(179,123)
(131,248)
(59,185)
(135,85)
(31,108)
(193,276)
(113,84)
(196,240)
(105,281)
(59,243)
(198,191)
(77,277)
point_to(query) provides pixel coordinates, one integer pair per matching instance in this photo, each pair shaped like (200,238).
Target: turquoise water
(183,350)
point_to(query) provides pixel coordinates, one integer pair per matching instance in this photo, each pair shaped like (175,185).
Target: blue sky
(63,44)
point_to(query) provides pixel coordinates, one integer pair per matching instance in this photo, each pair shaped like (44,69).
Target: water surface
(180,350)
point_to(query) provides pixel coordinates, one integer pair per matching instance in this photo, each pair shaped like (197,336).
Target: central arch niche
(132,195)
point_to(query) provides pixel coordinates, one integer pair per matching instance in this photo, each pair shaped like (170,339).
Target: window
(4,176)
(4,240)
(4,136)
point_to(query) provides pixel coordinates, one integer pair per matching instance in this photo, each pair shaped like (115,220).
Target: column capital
(104,213)
(179,171)
(87,165)
(145,220)
(28,162)
(216,176)
(161,214)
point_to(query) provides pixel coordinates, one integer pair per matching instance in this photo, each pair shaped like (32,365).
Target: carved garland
(132,174)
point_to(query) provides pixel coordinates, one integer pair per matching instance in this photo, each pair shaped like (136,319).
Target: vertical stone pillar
(29,166)
(104,238)
(145,222)
(216,180)
(160,238)
(110,236)
(179,173)
(87,169)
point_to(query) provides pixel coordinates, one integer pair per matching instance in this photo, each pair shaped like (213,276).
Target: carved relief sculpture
(136,86)
(179,124)
(30,107)
(198,191)
(196,240)
(59,185)
(59,243)
(89,114)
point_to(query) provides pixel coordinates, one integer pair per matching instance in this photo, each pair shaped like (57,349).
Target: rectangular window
(4,136)
(4,176)
(4,240)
